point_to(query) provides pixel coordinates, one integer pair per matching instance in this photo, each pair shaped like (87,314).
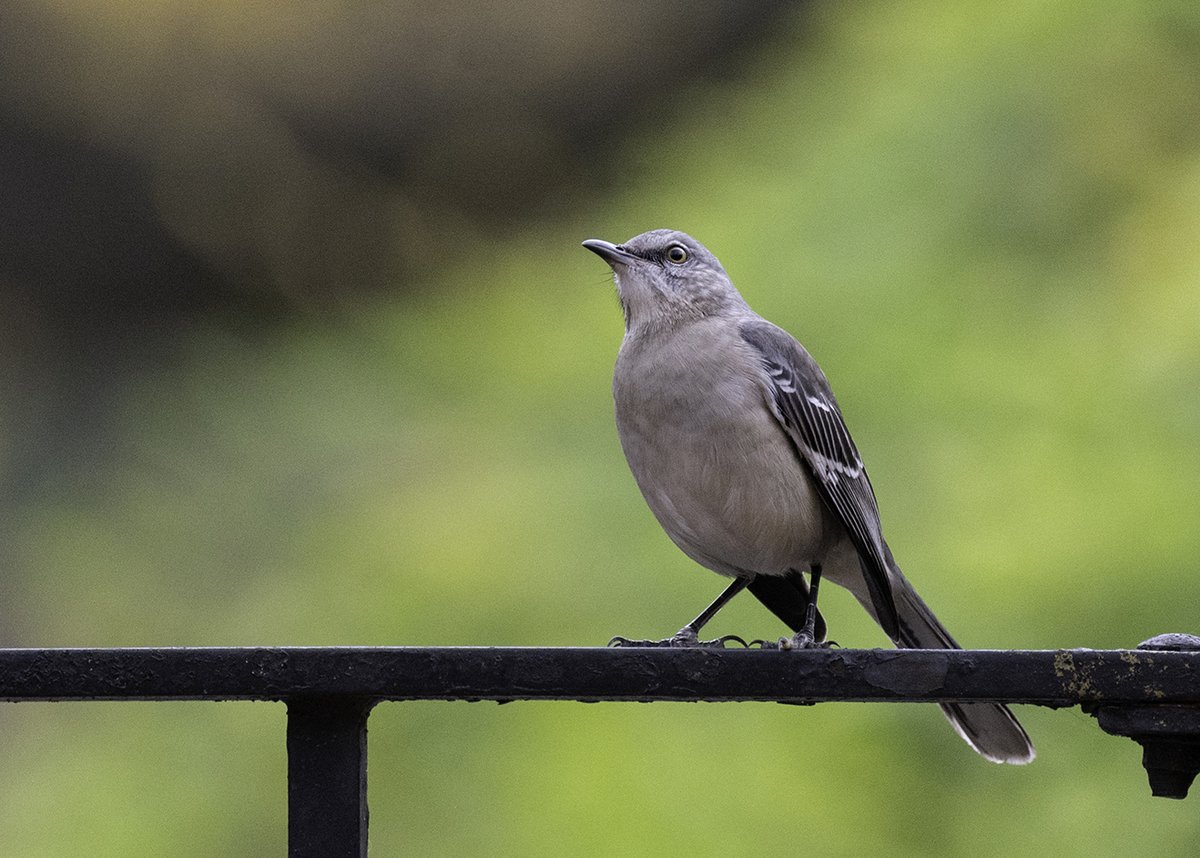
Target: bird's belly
(727,486)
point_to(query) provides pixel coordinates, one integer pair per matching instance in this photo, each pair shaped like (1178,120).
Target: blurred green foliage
(982,218)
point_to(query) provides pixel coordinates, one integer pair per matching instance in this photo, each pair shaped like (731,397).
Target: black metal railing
(1151,694)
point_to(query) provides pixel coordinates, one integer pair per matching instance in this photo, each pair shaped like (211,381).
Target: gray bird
(738,445)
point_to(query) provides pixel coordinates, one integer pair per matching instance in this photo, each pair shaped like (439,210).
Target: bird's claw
(619,641)
(683,639)
(803,640)
(721,641)
(798,641)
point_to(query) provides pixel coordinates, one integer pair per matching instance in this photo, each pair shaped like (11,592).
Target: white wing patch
(781,378)
(830,449)
(831,469)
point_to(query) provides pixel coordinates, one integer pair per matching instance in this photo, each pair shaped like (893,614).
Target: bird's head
(665,275)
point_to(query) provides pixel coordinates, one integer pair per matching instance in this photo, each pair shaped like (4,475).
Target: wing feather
(804,404)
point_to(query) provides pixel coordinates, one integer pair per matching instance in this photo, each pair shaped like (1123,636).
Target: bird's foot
(802,640)
(797,641)
(685,638)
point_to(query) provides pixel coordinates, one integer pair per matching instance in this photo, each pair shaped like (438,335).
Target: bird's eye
(677,254)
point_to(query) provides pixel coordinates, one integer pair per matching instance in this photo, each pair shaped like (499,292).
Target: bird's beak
(609,252)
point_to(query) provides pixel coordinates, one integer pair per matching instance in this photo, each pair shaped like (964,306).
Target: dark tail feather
(786,597)
(989,728)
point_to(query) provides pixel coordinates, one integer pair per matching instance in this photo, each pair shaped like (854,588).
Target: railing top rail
(1064,677)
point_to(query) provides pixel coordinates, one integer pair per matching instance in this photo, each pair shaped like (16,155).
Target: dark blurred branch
(299,168)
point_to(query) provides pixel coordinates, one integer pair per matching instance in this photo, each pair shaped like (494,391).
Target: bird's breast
(711,460)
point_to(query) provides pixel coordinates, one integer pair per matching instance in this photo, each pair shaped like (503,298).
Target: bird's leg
(692,630)
(689,635)
(806,637)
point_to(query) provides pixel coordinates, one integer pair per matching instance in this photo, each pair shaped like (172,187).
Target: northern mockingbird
(737,443)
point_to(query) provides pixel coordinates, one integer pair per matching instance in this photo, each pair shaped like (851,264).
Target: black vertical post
(327,777)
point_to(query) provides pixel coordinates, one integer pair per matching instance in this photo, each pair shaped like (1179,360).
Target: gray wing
(805,407)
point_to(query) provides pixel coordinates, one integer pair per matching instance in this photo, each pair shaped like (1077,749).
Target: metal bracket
(1169,734)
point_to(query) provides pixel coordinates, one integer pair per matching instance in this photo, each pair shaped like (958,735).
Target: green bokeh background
(984,221)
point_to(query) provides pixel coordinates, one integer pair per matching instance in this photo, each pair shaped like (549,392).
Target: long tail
(989,728)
